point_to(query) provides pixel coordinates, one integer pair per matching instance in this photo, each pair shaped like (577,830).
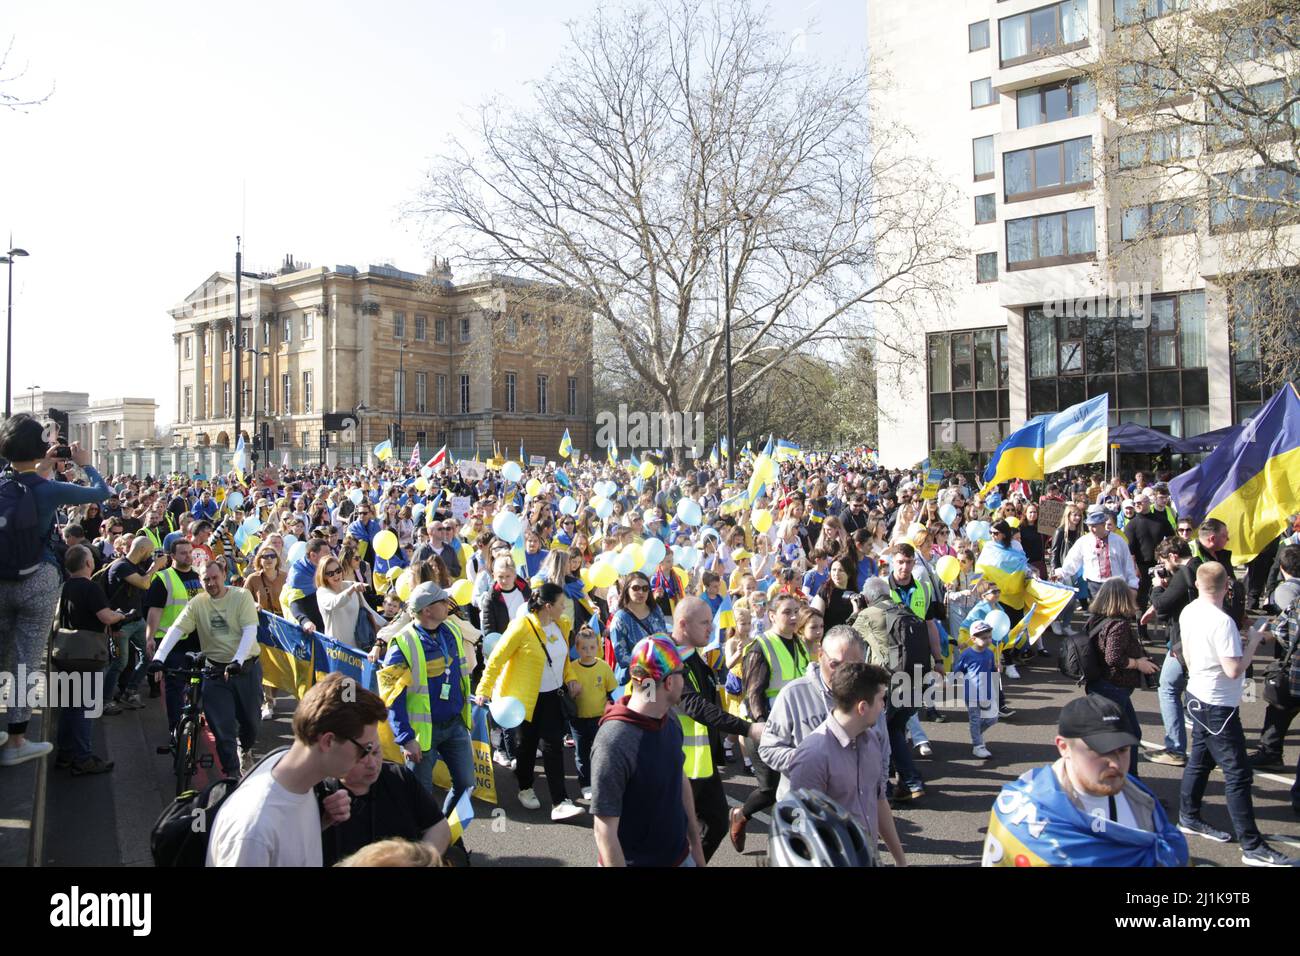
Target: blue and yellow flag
(713,455)
(240,462)
(785,450)
(384,450)
(1249,482)
(1034,823)
(1048,443)
(1044,602)
(726,452)
(1007,568)
(612,454)
(522,459)
(566,445)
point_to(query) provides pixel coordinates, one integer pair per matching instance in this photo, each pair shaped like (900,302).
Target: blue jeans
(896,722)
(75,731)
(584,733)
(978,724)
(916,732)
(1124,697)
(1218,739)
(233,709)
(1173,681)
(451,742)
(131,635)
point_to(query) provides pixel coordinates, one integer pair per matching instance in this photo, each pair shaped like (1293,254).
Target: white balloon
(507,526)
(568,505)
(654,551)
(511,471)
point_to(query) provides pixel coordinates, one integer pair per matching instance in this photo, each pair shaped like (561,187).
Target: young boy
(979,672)
(816,576)
(712,584)
(590,681)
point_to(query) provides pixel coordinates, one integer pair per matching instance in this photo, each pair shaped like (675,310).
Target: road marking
(15,824)
(1258,773)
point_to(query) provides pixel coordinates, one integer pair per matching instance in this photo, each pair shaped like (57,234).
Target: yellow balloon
(1013,521)
(533,487)
(421,484)
(251,542)
(404,587)
(394,573)
(761,519)
(947,568)
(586,578)
(638,555)
(602,574)
(647,469)
(385,544)
(462,591)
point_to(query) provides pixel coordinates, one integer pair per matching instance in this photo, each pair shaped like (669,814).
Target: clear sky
(175,126)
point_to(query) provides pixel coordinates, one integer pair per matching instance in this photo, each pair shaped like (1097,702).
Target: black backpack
(1080,658)
(180,836)
(22,544)
(909,640)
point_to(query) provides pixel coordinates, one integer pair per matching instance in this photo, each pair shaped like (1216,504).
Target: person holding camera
(1171,557)
(1114,608)
(226,621)
(29,569)
(128,580)
(1282,703)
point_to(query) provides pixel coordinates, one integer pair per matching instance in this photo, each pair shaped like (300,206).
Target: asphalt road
(106,820)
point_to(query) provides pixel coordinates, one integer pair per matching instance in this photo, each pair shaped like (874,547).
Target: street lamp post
(401,395)
(8,259)
(31,394)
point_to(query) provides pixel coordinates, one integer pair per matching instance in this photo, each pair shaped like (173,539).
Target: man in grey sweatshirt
(803,704)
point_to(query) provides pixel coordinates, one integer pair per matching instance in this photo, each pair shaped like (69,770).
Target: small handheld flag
(566,445)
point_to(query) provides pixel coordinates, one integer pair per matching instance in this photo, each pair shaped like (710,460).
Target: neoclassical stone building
(469,364)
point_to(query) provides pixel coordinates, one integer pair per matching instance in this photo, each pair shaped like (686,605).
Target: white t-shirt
(553,674)
(1099,807)
(263,824)
(1208,634)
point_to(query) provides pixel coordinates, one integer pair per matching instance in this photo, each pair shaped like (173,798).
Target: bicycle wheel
(183,755)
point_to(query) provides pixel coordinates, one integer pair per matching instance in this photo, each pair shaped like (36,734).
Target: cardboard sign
(1049,516)
(932,481)
(472,470)
(536,461)
(460,507)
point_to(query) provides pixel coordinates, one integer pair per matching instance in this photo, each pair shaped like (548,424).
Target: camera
(63,452)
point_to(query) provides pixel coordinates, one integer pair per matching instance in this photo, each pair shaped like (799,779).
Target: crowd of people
(662,622)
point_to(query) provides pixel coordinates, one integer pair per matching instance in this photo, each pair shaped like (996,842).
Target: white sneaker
(268,712)
(528,800)
(1058,627)
(502,760)
(1010,671)
(246,761)
(586,794)
(924,750)
(13,756)
(565,809)
(982,752)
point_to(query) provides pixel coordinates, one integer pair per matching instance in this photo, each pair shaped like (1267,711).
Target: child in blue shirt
(978,668)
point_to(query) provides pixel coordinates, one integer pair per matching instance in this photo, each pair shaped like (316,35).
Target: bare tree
(15,101)
(1206,170)
(680,160)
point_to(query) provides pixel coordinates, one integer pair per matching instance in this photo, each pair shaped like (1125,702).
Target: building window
(1269,300)
(978,34)
(266,395)
(207,402)
(510,391)
(306,393)
(1254,198)
(1166,145)
(573,395)
(1042,32)
(1156,220)
(286,330)
(1128,12)
(439,330)
(969,399)
(244,336)
(986,267)
(1047,170)
(399,390)
(1146,84)
(306,441)
(440,394)
(421,325)
(543,406)
(399,325)
(1054,239)
(1261,40)
(512,328)
(422,440)
(286,389)
(1055,101)
(1265,112)
(985,208)
(187,407)
(285,439)
(983,152)
(462,438)
(464,330)
(308,326)
(246,396)
(188,342)
(981,93)
(464,394)
(421,392)
(225,399)
(1155,375)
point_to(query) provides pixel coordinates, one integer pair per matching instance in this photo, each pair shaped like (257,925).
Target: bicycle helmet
(810,829)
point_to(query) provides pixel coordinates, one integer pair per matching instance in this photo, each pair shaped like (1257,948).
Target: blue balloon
(511,472)
(948,514)
(507,526)
(604,509)
(568,505)
(508,712)
(688,512)
(490,643)
(1001,624)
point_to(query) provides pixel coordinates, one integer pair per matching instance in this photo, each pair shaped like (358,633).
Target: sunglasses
(333,571)
(367,750)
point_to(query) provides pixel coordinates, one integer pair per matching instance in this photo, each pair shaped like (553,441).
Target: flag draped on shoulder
(1250,481)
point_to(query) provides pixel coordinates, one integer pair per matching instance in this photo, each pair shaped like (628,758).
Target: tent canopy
(1140,440)
(1208,441)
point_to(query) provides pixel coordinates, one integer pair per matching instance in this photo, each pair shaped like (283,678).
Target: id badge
(445,692)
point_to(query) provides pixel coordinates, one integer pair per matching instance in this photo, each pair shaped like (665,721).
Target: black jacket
(497,618)
(1181,591)
(1144,533)
(702,706)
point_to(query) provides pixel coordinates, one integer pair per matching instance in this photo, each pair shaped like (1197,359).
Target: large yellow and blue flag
(785,450)
(1044,602)
(713,456)
(1048,443)
(1008,569)
(1249,482)
(384,450)
(566,445)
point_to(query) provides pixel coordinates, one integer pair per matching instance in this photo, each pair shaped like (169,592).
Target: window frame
(1072,99)
(1062,187)
(993,156)
(1044,262)
(970,36)
(511,393)
(985,257)
(421,327)
(993,198)
(464,395)
(543,394)
(307,397)
(399,326)
(1042,52)
(993,94)
(573,395)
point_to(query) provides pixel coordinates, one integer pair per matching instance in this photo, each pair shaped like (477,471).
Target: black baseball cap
(1097,721)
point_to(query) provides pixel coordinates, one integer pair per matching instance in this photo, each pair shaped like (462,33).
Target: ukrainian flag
(613,454)
(785,450)
(1008,569)
(566,445)
(1048,443)
(384,450)
(726,452)
(1249,482)
(713,456)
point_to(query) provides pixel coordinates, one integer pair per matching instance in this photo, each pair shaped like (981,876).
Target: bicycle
(188,732)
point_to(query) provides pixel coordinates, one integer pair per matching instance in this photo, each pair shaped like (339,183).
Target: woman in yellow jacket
(528,664)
